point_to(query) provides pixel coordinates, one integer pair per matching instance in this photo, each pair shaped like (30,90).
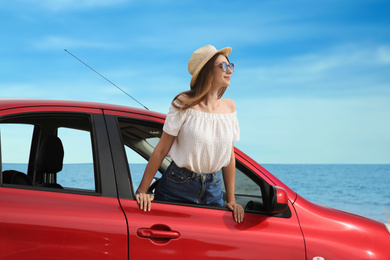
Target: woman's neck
(211,103)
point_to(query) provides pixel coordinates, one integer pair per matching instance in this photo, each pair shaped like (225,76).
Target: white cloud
(384,54)
(345,70)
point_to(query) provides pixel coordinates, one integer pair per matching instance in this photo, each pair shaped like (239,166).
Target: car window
(77,170)
(139,141)
(15,150)
(245,186)
(137,165)
(31,152)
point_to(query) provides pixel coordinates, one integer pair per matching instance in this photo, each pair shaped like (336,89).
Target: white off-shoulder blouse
(203,142)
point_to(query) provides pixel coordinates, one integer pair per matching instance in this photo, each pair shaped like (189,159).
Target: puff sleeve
(173,121)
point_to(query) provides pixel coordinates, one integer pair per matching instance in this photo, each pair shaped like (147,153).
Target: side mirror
(278,199)
(275,200)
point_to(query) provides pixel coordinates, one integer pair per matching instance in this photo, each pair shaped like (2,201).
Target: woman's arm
(228,176)
(164,145)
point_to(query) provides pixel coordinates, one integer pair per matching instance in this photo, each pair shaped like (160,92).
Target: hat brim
(225,51)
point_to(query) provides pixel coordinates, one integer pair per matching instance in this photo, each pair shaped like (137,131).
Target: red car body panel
(36,224)
(212,234)
(6,103)
(335,234)
(49,225)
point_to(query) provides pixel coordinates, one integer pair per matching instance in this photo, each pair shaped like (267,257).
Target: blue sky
(311,84)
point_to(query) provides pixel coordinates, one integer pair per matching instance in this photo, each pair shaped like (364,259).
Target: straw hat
(200,57)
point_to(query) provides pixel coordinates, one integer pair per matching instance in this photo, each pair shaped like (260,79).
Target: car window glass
(15,146)
(137,165)
(245,186)
(78,167)
(139,140)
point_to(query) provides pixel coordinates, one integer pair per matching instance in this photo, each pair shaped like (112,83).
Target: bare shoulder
(182,100)
(229,105)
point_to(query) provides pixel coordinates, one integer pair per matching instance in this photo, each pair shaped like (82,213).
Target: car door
(75,215)
(190,232)
(185,231)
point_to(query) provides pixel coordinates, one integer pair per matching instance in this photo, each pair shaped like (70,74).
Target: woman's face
(221,78)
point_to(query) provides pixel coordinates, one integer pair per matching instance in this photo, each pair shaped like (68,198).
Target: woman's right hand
(144,200)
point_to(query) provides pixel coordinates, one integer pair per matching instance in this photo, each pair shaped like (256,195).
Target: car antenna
(388,220)
(107,79)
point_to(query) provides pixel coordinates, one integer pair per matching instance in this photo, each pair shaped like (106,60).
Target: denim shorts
(182,185)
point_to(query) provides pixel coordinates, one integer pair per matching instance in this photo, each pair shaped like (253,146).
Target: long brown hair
(202,86)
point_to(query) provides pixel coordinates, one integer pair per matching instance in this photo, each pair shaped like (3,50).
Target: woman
(198,136)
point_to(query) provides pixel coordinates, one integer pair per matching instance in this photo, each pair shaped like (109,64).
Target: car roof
(7,103)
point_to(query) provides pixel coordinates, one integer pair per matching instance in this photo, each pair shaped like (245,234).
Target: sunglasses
(225,66)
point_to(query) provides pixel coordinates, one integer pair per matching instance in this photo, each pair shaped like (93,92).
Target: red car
(68,174)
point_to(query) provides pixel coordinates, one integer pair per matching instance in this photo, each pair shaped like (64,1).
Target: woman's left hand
(238,211)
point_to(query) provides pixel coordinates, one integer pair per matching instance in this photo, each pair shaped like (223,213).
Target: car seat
(49,161)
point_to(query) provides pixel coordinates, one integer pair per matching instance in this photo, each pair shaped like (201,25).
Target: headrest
(50,156)
(15,177)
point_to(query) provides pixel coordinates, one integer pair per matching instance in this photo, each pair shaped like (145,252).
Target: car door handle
(153,233)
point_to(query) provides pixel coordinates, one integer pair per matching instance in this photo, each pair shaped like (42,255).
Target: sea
(362,189)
